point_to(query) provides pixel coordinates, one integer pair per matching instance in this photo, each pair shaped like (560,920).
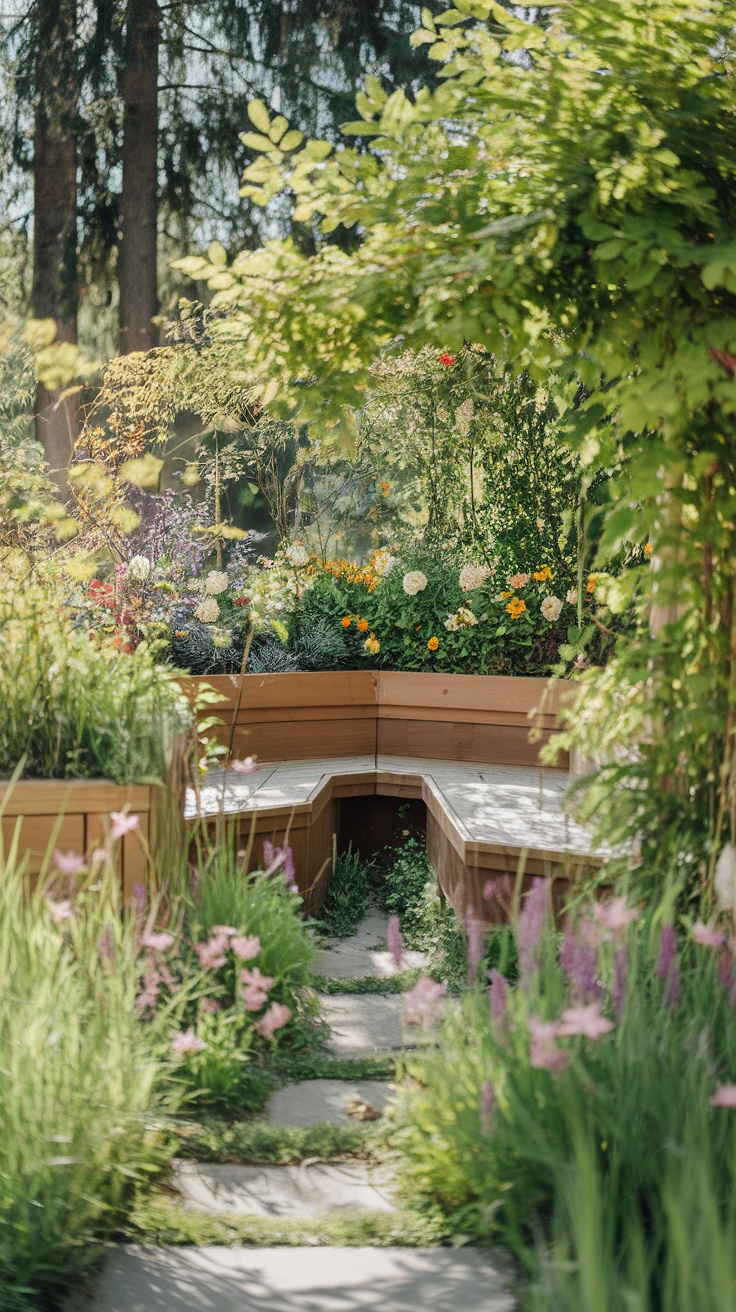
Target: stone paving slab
(364,953)
(139,1278)
(312,1102)
(306,1190)
(366,1025)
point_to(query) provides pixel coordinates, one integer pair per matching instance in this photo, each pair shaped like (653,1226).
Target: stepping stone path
(143,1278)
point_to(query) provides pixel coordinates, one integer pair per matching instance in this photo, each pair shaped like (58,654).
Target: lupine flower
(724,882)
(620,979)
(531,924)
(422,1002)
(273,857)
(475,944)
(667,967)
(186,1043)
(489,890)
(707,935)
(585,1021)
(212,953)
(498,995)
(157,942)
(68,863)
(245,948)
(579,960)
(289,867)
(60,910)
(486,1106)
(394,940)
(615,916)
(724,1096)
(276,1017)
(246,766)
(123,824)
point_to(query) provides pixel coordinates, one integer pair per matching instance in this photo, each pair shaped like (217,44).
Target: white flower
(453,623)
(208,611)
(383,563)
(466,616)
(414,582)
(724,882)
(297,554)
(215,583)
(139,568)
(572,597)
(473,576)
(551,607)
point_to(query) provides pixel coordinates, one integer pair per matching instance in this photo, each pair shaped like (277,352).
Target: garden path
(314,1278)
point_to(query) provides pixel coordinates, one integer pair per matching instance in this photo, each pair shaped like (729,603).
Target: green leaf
(145,471)
(254,141)
(277,128)
(259,115)
(216,253)
(292,140)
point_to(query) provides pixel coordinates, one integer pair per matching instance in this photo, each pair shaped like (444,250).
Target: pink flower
(68,863)
(586,1021)
(547,1057)
(276,1017)
(212,953)
(253,979)
(59,911)
(707,935)
(146,1000)
(186,1043)
(394,940)
(254,999)
(245,948)
(273,857)
(498,995)
(542,1031)
(422,1002)
(123,824)
(518,580)
(579,959)
(724,1096)
(157,942)
(531,926)
(246,766)
(615,916)
(475,942)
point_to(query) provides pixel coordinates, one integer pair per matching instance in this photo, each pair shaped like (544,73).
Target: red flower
(445,358)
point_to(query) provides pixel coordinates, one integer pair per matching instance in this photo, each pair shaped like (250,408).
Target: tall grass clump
(82,1087)
(586,1116)
(73,705)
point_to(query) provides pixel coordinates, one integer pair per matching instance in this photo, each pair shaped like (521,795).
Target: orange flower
(346,621)
(591,584)
(362,626)
(541,575)
(648,549)
(516,607)
(385,488)
(372,645)
(433,644)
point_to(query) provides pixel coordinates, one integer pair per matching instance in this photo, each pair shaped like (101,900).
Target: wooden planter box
(461,717)
(74,815)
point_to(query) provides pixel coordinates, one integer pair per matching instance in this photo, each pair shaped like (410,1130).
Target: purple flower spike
(579,961)
(498,996)
(139,897)
(476,942)
(289,867)
(395,941)
(620,980)
(268,853)
(667,967)
(486,1106)
(531,926)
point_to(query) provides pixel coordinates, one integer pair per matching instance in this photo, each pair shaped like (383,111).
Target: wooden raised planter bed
(461,717)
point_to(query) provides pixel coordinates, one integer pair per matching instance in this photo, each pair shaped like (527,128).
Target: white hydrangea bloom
(551,607)
(415,581)
(215,582)
(572,597)
(453,623)
(208,611)
(466,616)
(139,568)
(473,576)
(297,554)
(384,562)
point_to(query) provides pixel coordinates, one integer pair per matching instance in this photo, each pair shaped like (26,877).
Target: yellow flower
(541,575)
(372,644)
(516,607)
(433,644)
(362,626)
(505,595)
(346,621)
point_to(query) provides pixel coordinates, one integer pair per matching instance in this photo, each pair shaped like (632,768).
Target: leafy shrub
(587,1139)
(81,1085)
(75,707)
(347,895)
(402,890)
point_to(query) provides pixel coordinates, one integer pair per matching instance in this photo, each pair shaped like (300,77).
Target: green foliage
(318,1064)
(83,1098)
(400,983)
(401,892)
(78,708)
(347,896)
(547,1163)
(260,1142)
(159,1219)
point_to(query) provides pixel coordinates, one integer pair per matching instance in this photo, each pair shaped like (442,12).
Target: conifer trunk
(54,292)
(137,267)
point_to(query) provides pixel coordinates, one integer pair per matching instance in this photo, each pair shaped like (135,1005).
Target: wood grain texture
(498,744)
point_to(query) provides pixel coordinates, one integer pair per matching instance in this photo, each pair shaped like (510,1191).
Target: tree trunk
(54,293)
(137,267)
